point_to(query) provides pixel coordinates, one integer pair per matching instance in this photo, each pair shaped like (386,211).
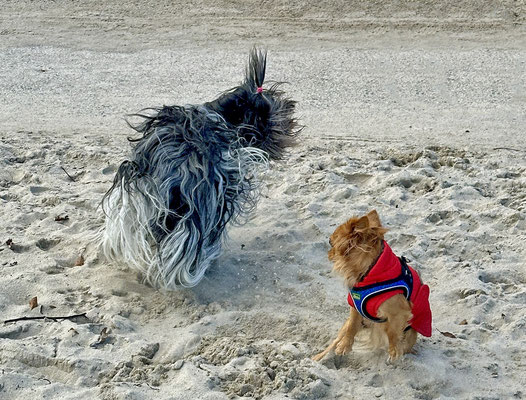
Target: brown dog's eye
(330,242)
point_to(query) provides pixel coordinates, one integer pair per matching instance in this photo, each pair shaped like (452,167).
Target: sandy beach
(415,110)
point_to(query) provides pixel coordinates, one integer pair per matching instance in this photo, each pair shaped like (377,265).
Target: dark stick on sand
(70,177)
(45,317)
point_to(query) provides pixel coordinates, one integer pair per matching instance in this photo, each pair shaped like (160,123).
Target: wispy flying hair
(191,173)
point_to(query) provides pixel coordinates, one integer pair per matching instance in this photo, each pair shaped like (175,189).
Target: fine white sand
(416,110)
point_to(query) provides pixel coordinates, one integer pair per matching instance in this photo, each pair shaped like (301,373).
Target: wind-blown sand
(417,111)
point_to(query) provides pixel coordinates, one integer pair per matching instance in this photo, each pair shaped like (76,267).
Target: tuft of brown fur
(355,246)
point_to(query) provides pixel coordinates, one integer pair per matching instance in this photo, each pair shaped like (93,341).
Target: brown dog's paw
(318,356)
(394,354)
(343,347)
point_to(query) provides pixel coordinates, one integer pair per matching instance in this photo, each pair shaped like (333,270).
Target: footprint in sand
(357,178)
(439,216)
(109,170)
(16,247)
(36,190)
(46,244)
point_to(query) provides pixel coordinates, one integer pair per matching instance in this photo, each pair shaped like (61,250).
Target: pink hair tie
(259,89)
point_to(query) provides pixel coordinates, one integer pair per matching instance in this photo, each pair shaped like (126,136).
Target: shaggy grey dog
(193,171)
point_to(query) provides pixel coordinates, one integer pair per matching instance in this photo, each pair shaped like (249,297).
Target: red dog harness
(388,277)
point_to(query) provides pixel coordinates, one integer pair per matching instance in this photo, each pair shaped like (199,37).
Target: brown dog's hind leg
(345,339)
(409,341)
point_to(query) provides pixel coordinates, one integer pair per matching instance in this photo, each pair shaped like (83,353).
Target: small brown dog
(385,294)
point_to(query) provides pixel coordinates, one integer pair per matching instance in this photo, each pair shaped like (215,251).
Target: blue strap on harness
(361,295)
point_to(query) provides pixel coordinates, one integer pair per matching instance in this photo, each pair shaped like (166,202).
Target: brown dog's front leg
(345,338)
(354,325)
(397,311)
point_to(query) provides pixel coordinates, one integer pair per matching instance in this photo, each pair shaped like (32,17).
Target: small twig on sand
(358,139)
(55,319)
(507,148)
(70,177)
(150,386)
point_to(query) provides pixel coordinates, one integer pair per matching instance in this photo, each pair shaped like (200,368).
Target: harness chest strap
(361,295)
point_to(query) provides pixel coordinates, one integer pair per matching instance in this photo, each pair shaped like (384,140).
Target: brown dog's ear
(380,231)
(362,223)
(374,219)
